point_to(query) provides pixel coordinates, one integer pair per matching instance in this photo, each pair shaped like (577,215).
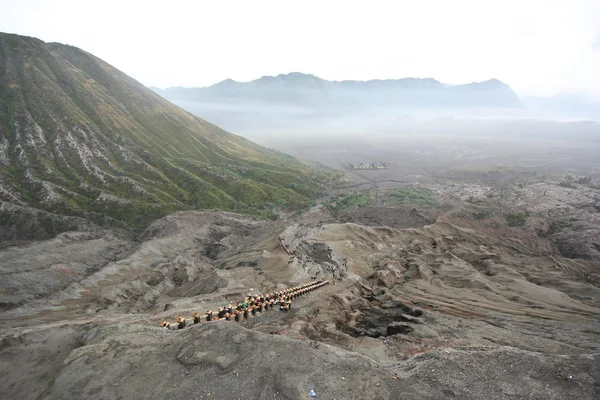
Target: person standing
(196,318)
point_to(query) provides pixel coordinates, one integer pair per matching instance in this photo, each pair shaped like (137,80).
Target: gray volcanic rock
(223,360)
(460,308)
(20,224)
(219,360)
(29,362)
(45,268)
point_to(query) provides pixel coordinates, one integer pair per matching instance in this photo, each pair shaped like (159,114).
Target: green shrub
(481,215)
(517,219)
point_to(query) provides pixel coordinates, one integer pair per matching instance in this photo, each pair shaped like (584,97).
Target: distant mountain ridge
(299,102)
(306,90)
(80,138)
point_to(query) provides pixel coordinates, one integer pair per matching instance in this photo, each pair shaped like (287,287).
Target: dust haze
(417,142)
(438,147)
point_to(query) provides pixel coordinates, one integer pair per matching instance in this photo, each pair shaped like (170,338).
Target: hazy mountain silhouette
(302,90)
(298,100)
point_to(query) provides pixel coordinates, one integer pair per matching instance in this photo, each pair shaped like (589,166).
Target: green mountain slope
(81,138)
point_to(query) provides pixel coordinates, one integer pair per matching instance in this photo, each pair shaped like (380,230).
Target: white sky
(539,47)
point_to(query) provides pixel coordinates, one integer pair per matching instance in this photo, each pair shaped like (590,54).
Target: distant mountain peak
(297,75)
(491,83)
(227,81)
(225,84)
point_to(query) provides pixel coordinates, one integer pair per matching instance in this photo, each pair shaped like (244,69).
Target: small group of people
(251,305)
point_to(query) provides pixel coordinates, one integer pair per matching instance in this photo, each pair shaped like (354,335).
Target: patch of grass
(481,215)
(517,219)
(422,197)
(342,201)
(553,227)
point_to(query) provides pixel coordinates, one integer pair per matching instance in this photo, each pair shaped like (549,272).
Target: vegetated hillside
(79,137)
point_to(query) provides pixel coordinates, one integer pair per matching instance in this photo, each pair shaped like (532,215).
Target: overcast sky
(538,47)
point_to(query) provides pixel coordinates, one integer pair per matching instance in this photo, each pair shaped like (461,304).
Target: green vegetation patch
(344,200)
(411,195)
(481,215)
(517,219)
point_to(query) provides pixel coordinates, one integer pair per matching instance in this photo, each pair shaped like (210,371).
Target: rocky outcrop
(447,297)
(224,360)
(20,224)
(390,275)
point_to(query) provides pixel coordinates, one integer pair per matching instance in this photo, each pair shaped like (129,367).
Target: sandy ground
(451,306)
